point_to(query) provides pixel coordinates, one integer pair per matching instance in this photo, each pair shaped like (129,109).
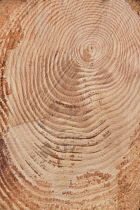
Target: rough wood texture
(69,105)
(135,4)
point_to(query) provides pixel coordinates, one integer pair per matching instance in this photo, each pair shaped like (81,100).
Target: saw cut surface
(70,106)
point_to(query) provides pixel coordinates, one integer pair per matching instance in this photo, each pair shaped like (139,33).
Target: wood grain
(70,106)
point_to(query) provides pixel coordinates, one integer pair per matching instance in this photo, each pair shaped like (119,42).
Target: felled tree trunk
(69,105)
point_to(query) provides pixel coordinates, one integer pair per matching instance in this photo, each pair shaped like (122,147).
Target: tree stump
(69,105)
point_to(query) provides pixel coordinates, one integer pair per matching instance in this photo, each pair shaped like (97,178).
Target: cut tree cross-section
(70,106)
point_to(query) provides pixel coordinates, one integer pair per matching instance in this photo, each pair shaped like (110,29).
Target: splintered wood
(69,105)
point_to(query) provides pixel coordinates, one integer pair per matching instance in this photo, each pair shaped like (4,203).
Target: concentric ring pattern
(73,69)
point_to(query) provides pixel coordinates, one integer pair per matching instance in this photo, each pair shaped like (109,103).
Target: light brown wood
(135,4)
(70,105)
